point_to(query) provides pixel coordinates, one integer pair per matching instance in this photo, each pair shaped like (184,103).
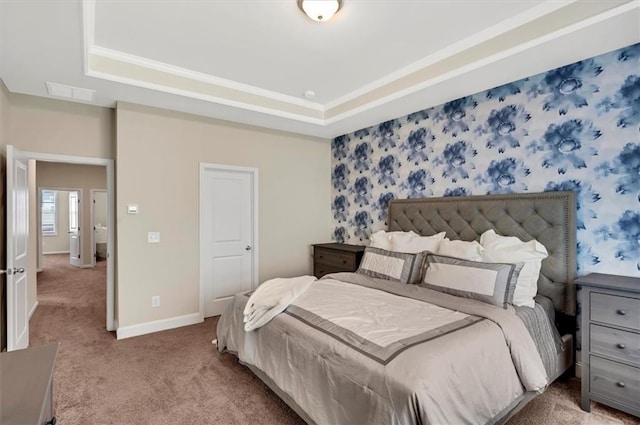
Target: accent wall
(572,128)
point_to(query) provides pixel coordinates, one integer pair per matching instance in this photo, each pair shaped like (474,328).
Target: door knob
(11,271)
(248,248)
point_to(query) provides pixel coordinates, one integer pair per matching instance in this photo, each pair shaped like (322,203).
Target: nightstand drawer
(320,269)
(615,310)
(343,260)
(615,343)
(615,381)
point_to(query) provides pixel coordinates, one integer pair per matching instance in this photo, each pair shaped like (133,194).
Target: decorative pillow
(397,266)
(380,239)
(412,243)
(471,250)
(492,283)
(499,248)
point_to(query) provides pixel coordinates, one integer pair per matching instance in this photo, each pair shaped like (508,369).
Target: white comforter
(271,298)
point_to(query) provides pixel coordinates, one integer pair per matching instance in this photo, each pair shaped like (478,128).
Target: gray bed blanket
(363,351)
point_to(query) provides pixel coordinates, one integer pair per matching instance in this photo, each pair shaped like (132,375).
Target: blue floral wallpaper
(572,128)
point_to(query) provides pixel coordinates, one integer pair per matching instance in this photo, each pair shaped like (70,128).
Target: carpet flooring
(176,376)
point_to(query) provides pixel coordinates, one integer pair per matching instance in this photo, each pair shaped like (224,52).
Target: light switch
(153,237)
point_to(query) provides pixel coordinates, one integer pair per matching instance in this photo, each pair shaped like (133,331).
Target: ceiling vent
(69,92)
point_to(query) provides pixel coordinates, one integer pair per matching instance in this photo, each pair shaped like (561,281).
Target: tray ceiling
(253,61)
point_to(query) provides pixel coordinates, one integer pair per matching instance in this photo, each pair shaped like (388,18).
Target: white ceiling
(252,61)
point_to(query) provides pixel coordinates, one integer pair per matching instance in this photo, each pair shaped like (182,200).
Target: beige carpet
(176,377)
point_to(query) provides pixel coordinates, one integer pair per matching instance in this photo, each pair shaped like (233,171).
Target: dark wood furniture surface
(26,387)
(611,341)
(336,257)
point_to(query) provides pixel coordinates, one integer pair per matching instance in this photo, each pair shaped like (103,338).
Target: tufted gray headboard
(548,217)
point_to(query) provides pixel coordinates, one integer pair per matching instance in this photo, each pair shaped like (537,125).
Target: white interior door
(228,235)
(74,229)
(17,249)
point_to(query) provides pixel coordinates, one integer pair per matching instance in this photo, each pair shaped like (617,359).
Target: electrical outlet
(153,237)
(155,301)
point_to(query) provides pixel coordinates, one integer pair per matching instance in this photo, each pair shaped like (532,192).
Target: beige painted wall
(100,208)
(59,242)
(158,157)
(55,175)
(42,125)
(159,152)
(45,125)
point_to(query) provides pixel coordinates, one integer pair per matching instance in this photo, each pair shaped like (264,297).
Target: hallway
(71,302)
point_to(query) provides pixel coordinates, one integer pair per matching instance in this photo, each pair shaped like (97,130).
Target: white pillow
(381,240)
(413,243)
(511,249)
(468,250)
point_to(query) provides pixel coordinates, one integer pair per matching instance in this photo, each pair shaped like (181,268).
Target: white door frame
(92,215)
(109,164)
(204,167)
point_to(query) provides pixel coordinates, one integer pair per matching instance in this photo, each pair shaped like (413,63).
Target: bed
(439,358)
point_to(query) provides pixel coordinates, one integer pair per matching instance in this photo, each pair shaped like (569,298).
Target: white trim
(33,309)
(55,252)
(215,99)
(109,163)
(503,54)
(467,43)
(158,325)
(255,214)
(201,77)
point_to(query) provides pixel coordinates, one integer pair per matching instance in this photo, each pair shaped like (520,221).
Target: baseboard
(56,252)
(86,266)
(578,369)
(33,309)
(158,325)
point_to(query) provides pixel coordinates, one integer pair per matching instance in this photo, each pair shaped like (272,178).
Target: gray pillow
(397,266)
(492,283)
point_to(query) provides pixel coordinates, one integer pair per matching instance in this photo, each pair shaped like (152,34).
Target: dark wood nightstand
(610,341)
(336,257)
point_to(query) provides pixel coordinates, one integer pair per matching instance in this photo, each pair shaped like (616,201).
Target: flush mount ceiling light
(320,10)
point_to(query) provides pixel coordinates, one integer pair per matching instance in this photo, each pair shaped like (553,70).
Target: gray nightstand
(611,341)
(26,387)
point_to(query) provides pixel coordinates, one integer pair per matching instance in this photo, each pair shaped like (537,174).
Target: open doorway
(85,176)
(59,224)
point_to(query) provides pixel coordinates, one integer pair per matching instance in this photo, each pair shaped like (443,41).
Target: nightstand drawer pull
(621,312)
(621,346)
(620,384)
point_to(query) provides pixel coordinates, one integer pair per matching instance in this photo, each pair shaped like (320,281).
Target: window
(49,214)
